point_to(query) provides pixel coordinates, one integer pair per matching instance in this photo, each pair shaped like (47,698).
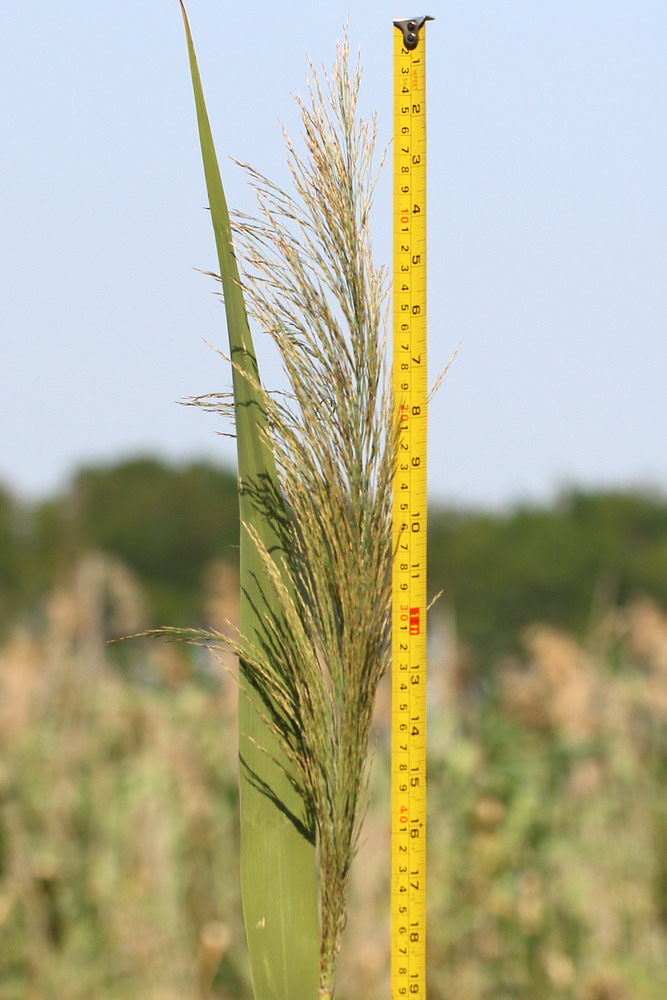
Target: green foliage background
(119,776)
(562,563)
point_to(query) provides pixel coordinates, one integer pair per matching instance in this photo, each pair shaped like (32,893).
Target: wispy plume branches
(310,283)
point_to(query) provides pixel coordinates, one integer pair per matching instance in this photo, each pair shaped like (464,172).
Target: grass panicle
(311,284)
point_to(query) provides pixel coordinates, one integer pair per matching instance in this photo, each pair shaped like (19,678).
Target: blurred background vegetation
(547,742)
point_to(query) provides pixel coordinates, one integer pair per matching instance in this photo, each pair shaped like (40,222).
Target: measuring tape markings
(408,754)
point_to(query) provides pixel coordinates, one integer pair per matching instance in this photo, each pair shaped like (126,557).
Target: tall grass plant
(315,468)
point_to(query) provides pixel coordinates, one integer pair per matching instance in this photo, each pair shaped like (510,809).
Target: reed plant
(314,468)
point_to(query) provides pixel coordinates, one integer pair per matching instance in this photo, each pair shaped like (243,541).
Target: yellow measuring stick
(408,730)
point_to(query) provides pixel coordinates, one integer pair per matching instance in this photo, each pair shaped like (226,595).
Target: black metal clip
(410,27)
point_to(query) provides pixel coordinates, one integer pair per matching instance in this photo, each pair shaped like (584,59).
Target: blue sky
(547,228)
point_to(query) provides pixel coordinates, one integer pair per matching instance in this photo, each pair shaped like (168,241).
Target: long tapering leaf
(278,863)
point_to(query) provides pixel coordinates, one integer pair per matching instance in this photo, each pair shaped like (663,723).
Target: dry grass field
(118,813)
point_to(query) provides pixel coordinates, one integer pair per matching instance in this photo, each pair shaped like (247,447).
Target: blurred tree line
(562,564)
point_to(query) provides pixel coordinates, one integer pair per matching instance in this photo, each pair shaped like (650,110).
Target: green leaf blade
(278,863)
